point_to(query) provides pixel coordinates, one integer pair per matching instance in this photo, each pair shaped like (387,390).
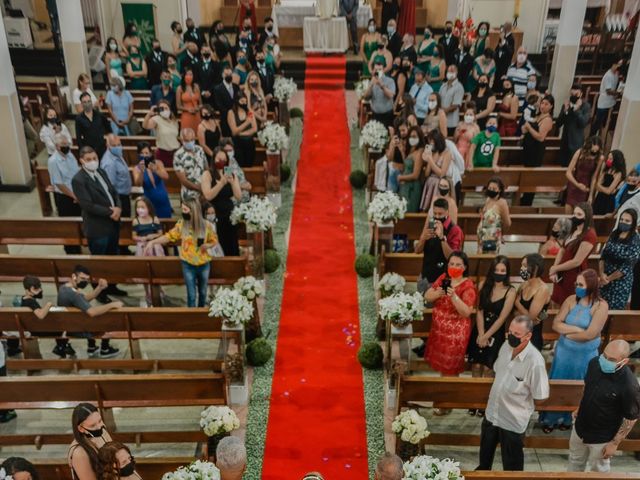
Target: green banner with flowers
(142,15)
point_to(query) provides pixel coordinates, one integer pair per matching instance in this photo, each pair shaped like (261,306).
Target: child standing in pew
(145,227)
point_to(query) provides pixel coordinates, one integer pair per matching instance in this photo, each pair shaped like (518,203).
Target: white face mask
(522,57)
(91,165)
(165,113)
(468,119)
(413,141)
(211,217)
(372,28)
(451,75)
(432,104)
(231,155)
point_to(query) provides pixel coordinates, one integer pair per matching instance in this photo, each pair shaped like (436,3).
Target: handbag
(134,126)
(489,246)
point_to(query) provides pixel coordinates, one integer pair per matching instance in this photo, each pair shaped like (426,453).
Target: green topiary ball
(358,179)
(258,352)
(271,260)
(285,172)
(370,355)
(365,264)
(296,112)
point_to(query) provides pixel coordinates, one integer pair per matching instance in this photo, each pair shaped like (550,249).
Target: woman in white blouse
(51,125)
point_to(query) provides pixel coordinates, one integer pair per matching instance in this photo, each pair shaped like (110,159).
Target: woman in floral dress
(494,218)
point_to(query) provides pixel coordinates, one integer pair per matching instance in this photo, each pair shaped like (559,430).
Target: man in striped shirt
(519,73)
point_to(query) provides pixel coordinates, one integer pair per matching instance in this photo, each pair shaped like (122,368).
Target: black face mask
(555,234)
(186,216)
(514,342)
(128,469)
(491,193)
(269,28)
(65,150)
(499,277)
(206,55)
(448,30)
(440,219)
(157,49)
(573,98)
(228,78)
(205,116)
(443,191)
(53,120)
(37,295)
(575,221)
(94,433)
(82,284)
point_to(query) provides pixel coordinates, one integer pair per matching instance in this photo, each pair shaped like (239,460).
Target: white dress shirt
(517,384)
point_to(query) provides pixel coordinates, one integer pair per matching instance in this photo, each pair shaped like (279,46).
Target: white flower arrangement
(250,287)
(411,426)
(424,467)
(361,87)
(258,214)
(386,207)
(232,306)
(284,89)
(391,283)
(274,137)
(401,308)
(4,476)
(374,135)
(216,420)
(198,470)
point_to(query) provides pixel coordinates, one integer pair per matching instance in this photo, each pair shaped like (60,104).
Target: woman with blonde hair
(256,96)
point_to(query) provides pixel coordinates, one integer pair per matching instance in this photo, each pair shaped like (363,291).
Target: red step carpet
(317,416)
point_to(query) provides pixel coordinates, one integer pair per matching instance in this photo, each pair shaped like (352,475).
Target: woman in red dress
(451,322)
(572,257)
(407,17)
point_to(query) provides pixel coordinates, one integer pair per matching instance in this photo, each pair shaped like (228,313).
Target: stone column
(626,136)
(15,171)
(565,55)
(74,42)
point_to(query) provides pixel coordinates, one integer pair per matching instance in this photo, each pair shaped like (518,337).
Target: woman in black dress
(612,172)
(242,123)
(221,187)
(208,131)
(485,101)
(533,296)
(497,298)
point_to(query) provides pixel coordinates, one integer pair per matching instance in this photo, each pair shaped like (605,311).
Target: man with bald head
(389,467)
(231,458)
(609,408)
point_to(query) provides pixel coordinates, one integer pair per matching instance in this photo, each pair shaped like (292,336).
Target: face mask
(391,30)
(166,82)
(211,217)
(624,227)
(171,65)
(165,113)
(575,221)
(380,46)
(455,272)
(206,55)
(573,98)
(448,30)
(179,30)
(231,155)
(482,32)
(436,54)
(440,219)
(270,28)
(242,61)
(65,150)
(189,145)
(609,163)
(451,76)
(220,164)
(432,105)
(482,84)
(499,277)
(371,28)
(413,141)
(142,212)
(228,78)
(128,469)
(506,88)
(157,49)
(468,119)
(606,365)
(581,292)
(52,120)
(115,88)
(525,274)
(113,46)
(254,84)
(82,284)
(427,35)
(443,191)
(522,57)
(186,216)
(242,106)
(87,107)
(93,433)
(492,128)
(531,85)
(37,295)
(555,234)
(92,165)
(116,150)
(205,116)
(514,342)
(491,193)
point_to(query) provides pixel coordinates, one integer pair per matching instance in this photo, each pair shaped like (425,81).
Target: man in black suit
(245,40)
(265,33)
(192,58)
(193,34)
(267,78)
(207,74)
(504,54)
(395,42)
(225,95)
(450,43)
(464,62)
(156,61)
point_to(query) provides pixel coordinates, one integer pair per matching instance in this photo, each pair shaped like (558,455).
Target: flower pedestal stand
(283,114)
(238,388)
(253,329)
(406,450)
(383,235)
(239,393)
(274,161)
(257,244)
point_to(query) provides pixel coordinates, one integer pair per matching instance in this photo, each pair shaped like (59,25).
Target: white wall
(531,20)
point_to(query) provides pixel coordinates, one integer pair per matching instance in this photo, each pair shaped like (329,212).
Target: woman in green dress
(410,188)
(368,45)
(425,50)
(438,68)
(137,70)
(382,55)
(178,45)
(172,66)
(481,41)
(483,65)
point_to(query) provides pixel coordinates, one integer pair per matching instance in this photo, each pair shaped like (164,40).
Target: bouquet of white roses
(258,214)
(284,89)
(250,287)
(374,135)
(274,137)
(216,420)
(4,476)
(361,87)
(386,207)
(401,308)
(424,467)
(391,283)
(198,470)
(232,306)
(411,426)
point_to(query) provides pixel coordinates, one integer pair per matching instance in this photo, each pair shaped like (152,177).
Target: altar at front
(323,30)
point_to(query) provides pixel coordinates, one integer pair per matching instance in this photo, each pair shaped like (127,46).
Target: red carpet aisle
(317,416)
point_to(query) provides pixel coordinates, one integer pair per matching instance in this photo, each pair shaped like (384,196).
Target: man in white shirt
(608,96)
(420,92)
(520,383)
(451,94)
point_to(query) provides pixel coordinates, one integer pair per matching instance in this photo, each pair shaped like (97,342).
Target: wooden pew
(108,392)
(131,324)
(111,365)
(147,467)
(466,393)
(511,155)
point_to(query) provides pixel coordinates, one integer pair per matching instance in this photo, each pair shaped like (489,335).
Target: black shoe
(68,349)
(60,351)
(109,352)
(419,350)
(8,416)
(114,290)
(92,351)
(103,298)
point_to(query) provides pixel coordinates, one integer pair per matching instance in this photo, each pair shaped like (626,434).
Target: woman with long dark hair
(494,217)
(188,101)
(611,172)
(581,178)
(617,259)
(409,179)
(89,435)
(242,123)
(533,295)
(437,158)
(117,463)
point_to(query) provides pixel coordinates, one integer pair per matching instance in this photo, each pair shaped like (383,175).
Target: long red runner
(317,415)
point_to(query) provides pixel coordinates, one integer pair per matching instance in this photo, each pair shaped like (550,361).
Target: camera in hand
(200,241)
(446,283)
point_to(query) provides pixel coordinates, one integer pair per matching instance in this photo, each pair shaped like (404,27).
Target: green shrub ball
(285,173)
(370,355)
(365,264)
(271,260)
(296,112)
(358,179)
(258,352)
